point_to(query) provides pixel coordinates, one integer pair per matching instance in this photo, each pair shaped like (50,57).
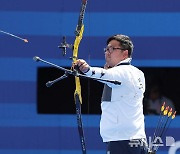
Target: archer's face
(114,53)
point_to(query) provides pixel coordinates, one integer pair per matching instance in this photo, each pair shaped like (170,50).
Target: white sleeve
(114,73)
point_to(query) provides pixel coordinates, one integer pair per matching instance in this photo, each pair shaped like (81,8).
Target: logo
(153,142)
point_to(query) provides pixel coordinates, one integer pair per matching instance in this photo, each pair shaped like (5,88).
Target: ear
(125,54)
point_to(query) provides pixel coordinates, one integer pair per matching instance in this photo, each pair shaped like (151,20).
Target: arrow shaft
(25,40)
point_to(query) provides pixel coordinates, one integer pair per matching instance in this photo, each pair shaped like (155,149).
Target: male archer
(122,119)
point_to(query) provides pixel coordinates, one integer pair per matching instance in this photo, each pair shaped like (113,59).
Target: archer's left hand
(82,65)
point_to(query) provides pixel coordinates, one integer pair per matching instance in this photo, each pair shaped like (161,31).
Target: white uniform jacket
(122,109)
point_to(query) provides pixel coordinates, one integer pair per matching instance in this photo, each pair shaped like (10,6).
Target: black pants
(137,146)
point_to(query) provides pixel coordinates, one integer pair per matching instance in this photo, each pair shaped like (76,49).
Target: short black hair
(124,41)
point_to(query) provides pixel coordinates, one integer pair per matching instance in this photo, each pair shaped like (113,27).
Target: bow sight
(64,45)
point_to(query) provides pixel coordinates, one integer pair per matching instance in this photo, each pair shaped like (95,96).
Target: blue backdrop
(153,26)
